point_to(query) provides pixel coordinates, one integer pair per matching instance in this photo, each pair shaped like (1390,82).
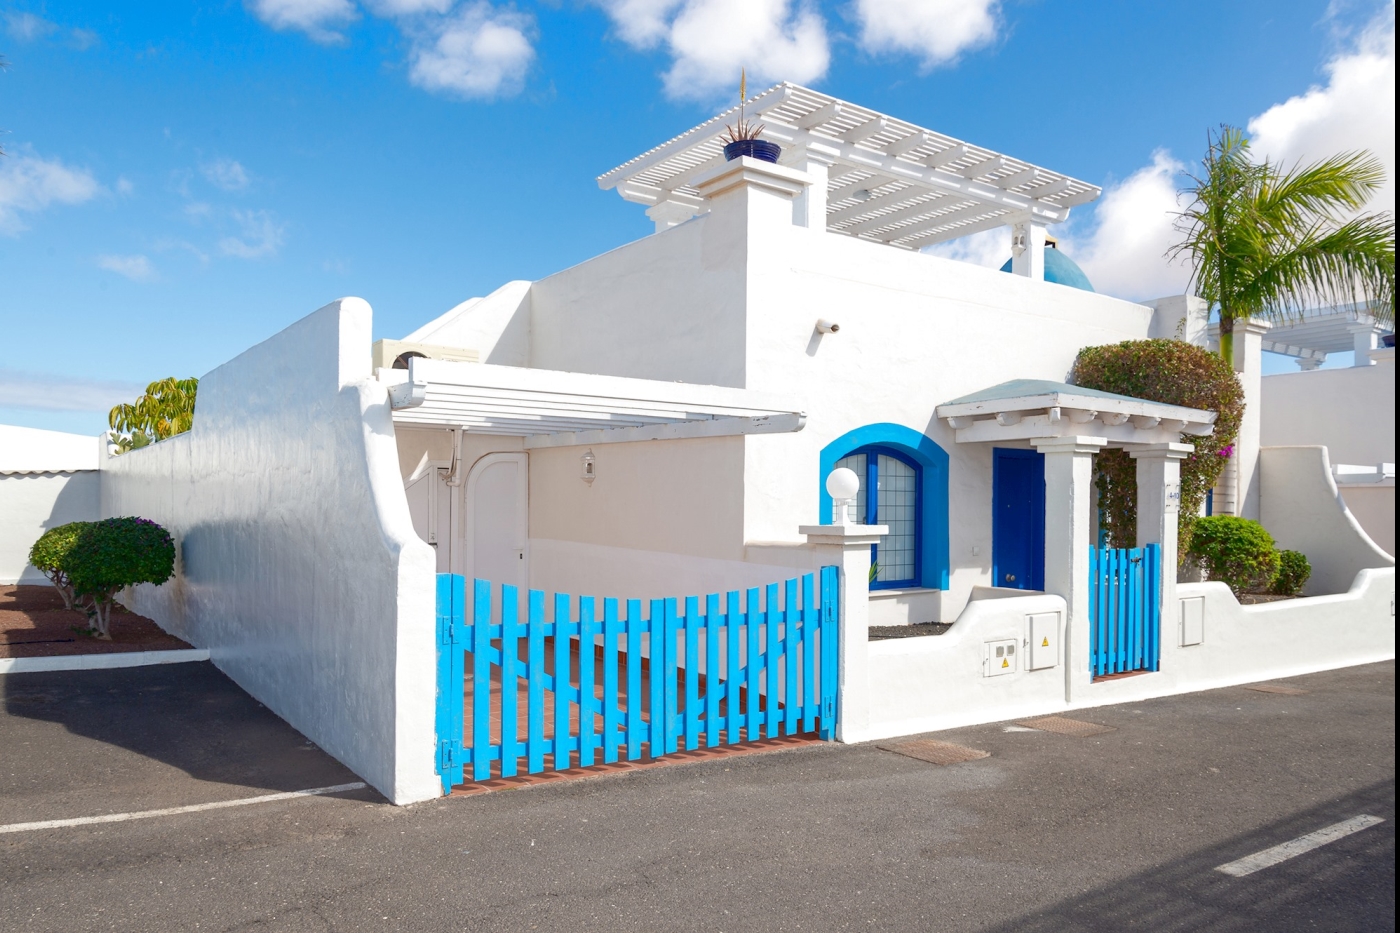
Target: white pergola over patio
(558,409)
(880,178)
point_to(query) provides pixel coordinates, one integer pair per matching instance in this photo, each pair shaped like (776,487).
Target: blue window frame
(890,484)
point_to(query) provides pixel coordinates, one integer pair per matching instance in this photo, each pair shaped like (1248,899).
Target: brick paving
(34,624)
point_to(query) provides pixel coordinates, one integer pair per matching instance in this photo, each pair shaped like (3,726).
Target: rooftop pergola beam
(943,234)
(905,213)
(901,201)
(866,130)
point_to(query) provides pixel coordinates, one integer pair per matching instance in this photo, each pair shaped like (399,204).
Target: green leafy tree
(90,561)
(1268,242)
(165,410)
(49,556)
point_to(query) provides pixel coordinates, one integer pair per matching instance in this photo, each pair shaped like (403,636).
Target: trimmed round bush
(116,553)
(1293,573)
(49,555)
(1236,551)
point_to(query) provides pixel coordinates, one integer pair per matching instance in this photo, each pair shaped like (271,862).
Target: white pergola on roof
(889,181)
(558,409)
(1318,332)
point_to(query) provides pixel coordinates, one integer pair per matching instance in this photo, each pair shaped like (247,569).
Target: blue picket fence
(1125,615)
(758,669)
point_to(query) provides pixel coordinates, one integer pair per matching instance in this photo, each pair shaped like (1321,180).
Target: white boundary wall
(47,479)
(298,566)
(933,683)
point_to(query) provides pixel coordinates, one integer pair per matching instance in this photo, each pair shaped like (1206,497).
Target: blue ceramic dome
(1060,269)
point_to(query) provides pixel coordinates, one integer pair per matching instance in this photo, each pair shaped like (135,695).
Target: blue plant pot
(760,149)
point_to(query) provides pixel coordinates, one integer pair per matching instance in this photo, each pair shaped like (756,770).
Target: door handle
(1011,578)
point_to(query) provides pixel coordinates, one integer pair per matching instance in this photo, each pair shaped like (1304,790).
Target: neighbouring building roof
(31,450)
(890,181)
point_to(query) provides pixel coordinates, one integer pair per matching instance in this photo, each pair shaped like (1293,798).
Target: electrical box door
(1193,621)
(999,657)
(1044,639)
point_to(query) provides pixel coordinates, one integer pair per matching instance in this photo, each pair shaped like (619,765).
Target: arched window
(903,484)
(889,495)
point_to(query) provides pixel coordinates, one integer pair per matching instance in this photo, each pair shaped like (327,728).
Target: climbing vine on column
(1175,373)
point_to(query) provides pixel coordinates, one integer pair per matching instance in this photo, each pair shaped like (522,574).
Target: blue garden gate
(1125,610)
(591,688)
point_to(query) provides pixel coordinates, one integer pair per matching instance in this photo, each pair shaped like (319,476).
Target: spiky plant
(743,129)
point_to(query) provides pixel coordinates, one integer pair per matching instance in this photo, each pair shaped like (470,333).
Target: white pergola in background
(875,177)
(1313,335)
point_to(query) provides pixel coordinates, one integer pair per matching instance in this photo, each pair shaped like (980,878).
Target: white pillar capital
(1028,249)
(667,214)
(751,173)
(1308,363)
(1168,451)
(1364,339)
(1070,444)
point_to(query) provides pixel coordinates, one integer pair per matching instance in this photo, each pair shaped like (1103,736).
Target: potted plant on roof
(742,139)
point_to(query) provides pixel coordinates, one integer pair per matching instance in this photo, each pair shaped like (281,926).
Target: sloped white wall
(298,566)
(1300,507)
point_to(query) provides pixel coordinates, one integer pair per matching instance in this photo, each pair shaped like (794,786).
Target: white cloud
(46,392)
(137,268)
(29,183)
(1134,225)
(711,40)
(125,187)
(26,27)
(388,8)
(319,19)
(226,174)
(936,30)
(260,235)
(1355,110)
(480,51)
(990,248)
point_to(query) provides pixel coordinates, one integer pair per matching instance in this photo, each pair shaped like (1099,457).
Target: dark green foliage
(1175,373)
(1293,573)
(49,555)
(1236,551)
(96,559)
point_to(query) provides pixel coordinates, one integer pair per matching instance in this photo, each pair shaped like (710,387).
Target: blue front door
(1018,519)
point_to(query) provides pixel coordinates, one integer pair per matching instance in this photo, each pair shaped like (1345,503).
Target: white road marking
(171,811)
(1305,843)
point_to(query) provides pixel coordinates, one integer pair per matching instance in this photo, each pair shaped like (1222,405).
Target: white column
(1158,509)
(668,214)
(849,548)
(809,207)
(1069,532)
(1028,249)
(1363,340)
(1249,363)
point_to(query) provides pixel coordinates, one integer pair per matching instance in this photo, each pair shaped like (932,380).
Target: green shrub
(1175,373)
(115,553)
(1293,573)
(49,556)
(1236,551)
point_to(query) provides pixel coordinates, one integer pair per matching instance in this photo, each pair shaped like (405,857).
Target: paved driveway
(1117,831)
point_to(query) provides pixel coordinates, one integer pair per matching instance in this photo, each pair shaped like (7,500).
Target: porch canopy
(884,179)
(550,408)
(1029,409)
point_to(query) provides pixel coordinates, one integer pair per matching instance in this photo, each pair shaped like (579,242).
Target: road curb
(97,662)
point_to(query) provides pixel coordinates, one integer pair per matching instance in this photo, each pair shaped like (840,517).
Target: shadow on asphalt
(190,716)
(1346,885)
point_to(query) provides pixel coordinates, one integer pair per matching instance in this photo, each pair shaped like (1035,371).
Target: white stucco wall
(32,503)
(1349,411)
(298,566)
(1373,506)
(1301,508)
(926,684)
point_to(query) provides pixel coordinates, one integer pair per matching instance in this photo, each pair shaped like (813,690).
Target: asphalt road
(1119,831)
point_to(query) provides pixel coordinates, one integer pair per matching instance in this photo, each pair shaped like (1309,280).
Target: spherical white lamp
(842,485)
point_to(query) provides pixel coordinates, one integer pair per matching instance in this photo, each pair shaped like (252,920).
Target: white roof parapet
(889,181)
(550,408)
(1023,409)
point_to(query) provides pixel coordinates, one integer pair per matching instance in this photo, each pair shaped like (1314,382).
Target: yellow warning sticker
(1045,642)
(1004,663)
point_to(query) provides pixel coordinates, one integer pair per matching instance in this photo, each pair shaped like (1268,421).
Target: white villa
(660,420)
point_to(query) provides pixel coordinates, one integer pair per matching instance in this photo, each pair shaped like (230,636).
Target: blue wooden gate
(607,688)
(1125,610)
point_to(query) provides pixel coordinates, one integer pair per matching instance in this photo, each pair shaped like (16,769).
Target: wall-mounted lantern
(589,464)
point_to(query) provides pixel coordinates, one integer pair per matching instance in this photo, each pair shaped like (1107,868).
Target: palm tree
(1265,242)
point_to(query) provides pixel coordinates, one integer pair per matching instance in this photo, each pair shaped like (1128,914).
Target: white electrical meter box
(999,657)
(1043,640)
(1193,621)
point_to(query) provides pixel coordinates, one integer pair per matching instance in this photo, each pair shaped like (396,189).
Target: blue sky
(186,179)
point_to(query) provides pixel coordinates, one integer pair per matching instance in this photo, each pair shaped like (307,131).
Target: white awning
(550,408)
(1023,409)
(889,181)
